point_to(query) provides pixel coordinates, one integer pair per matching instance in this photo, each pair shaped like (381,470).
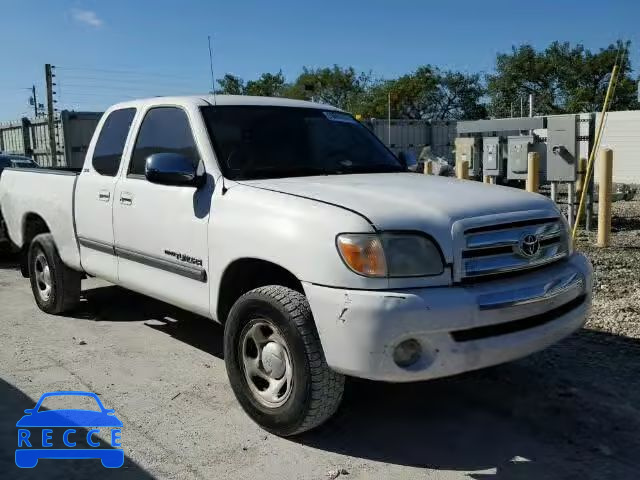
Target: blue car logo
(36,432)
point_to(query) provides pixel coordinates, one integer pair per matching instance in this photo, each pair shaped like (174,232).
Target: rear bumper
(459,328)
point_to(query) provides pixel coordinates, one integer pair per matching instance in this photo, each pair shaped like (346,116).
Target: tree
(586,78)
(231,85)
(428,94)
(268,85)
(562,79)
(457,97)
(337,86)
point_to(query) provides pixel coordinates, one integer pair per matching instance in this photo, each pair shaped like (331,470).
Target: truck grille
(497,249)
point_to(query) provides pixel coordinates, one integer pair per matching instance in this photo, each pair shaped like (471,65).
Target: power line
(128,81)
(91,94)
(120,88)
(124,72)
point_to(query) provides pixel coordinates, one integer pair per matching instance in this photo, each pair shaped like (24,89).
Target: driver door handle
(104,195)
(126,198)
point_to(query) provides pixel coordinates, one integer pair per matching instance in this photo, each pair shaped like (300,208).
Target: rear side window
(108,152)
(163,130)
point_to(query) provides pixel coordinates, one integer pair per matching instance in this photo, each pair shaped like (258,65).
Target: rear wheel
(275,362)
(56,287)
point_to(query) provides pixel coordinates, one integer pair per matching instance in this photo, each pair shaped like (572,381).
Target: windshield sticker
(340,117)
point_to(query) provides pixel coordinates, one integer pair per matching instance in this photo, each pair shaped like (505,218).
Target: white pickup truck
(293,226)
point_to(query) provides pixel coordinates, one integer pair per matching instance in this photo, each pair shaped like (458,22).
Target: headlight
(390,254)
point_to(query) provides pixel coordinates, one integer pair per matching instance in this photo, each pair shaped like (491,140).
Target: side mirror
(172,169)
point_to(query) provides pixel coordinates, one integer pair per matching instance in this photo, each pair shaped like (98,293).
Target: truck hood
(405,201)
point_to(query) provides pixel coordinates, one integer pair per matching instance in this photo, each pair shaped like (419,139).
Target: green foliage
(427,93)
(562,78)
(231,85)
(337,86)
(268,85)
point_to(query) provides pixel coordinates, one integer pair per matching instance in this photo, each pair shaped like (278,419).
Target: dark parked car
(13,161)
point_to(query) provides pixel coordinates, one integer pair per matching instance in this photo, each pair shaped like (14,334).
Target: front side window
(110,145)
(270,142)
(163,130)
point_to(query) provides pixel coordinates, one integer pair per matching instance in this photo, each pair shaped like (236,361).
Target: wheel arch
(244,274)
(32,225)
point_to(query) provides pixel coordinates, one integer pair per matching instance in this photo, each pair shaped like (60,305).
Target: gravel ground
(616,306)
(569,412)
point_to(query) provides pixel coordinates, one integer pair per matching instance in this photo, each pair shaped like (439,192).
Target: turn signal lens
(363,253)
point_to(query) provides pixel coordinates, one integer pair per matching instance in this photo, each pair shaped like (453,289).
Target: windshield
(269,142)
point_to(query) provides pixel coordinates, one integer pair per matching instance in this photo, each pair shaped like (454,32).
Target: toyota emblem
(529,245)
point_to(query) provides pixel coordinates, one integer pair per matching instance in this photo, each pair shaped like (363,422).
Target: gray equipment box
(518,152)
(494,156)
(562,161)
(469,149)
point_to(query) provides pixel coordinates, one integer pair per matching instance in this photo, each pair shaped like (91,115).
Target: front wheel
(56,287)
(275,362)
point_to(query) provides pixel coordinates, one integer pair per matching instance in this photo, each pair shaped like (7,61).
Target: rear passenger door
(95,193)
(161,230)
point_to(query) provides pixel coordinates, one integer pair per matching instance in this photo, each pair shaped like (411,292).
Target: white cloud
(87,17)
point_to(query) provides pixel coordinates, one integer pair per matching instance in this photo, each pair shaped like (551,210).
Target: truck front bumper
(459,328)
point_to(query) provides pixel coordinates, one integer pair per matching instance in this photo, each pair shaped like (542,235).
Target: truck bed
(47,193)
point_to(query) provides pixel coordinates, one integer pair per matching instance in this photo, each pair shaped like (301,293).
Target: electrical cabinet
(469,149)
(494,154)
(562,161)
(518,152)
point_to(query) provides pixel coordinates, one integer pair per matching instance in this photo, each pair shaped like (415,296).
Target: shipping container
(30,137)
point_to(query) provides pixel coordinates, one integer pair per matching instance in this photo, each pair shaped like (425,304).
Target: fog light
(407,353)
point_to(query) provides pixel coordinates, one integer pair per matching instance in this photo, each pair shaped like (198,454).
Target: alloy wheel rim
(43,277)
(266,363)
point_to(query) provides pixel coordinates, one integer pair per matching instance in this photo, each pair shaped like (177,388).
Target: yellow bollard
(463,170)
(533,172)
(428,168)
(582,169)
(487,179)
(605,186)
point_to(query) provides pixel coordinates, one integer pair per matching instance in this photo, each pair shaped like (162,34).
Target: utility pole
(51,114)
(35,101)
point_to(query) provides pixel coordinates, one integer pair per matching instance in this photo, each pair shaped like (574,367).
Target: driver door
(160,234)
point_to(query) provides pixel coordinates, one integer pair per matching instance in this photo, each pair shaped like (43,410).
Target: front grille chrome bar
(491,251)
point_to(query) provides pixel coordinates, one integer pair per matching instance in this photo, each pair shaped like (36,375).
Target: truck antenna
(213,81)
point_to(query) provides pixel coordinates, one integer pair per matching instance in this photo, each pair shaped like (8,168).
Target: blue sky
(114,50)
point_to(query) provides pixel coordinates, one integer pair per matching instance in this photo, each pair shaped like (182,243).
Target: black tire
(64,293)
(316,390)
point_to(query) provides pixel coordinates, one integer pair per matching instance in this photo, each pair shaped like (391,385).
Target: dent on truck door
(94,196)
(161,235)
